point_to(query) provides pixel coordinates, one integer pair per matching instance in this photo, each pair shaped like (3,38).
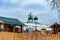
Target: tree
(55,4)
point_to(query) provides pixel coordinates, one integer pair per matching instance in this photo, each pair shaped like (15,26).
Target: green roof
(35,18)
(30,17)
(11,21)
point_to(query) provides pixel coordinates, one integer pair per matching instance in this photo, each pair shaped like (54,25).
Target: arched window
(29,30)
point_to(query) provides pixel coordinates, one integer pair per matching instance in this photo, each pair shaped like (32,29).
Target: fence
(26,36)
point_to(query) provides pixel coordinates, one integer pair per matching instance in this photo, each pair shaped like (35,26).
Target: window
(58,31)
(1,28)
(29,30)
(16,29)
(10,28)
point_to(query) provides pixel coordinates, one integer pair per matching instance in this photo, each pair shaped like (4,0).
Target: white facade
(33,23)
(38,26)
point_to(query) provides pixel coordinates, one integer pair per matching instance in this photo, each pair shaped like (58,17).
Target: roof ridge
(7,17)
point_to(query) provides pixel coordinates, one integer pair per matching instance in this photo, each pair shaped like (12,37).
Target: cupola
(35,18)
(30,17)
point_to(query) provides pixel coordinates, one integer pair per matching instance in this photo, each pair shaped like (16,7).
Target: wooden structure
(56,28)
(10,25)
(25,36)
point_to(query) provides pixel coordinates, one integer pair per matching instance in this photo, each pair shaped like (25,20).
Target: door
(11,28)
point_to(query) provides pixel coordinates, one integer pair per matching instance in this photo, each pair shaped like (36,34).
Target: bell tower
(30,17)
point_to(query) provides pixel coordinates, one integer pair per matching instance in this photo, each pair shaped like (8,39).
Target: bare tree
(55,4)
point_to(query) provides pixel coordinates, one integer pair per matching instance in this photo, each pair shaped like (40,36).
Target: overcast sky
(21,8)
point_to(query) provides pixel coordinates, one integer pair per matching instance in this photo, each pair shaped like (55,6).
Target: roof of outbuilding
(11,21)
(55,25)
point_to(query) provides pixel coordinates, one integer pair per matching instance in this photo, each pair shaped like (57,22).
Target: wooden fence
(27,36)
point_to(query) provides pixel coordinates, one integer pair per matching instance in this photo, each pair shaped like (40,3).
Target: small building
(10,25)
(56,28)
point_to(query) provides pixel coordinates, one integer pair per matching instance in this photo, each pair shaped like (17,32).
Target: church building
(32,24)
